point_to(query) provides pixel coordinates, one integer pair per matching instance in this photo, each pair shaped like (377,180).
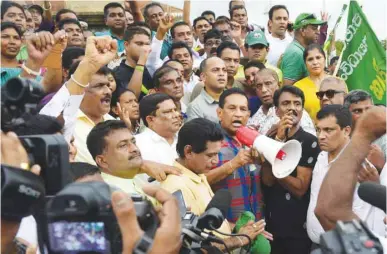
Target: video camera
(21,192)
(50,152)
(349,237)
(80,218)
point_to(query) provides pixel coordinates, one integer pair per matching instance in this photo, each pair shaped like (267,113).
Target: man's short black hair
(68,21)
(5,5)
(140,24)
(148,6)
(198,19)
(227,45)
(341,113)
(159,73)
(208,13)
(63,11)
(254,63)
(356,96)
(131,32)
(277,7)
(333,60)
(236,7)
(212,34)
(224,18)
(111,5)
(180,23)
(6,25)
(149,105)
(228,92)
(69,54)
(171,60)
(178,45)
(82,169)
(288,89)
(196,133)
(96,142)
(38,125)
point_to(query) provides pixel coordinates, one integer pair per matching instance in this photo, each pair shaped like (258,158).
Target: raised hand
(99,52)
(236,30)
(324,16)
(166,23)
(39,45)
(144,53)
(60,37)
(123,113)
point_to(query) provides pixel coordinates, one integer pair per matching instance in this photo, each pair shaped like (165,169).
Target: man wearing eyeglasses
(332,91)
(306,32)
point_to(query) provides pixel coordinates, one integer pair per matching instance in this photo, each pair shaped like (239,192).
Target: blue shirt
(8,73)
(120,42)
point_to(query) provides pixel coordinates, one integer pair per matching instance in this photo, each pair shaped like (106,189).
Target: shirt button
(287,196)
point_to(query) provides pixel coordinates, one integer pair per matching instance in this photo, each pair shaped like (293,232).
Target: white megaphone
(283,157)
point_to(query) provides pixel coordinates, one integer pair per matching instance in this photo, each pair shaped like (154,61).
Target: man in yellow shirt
(198,145)
(257,48)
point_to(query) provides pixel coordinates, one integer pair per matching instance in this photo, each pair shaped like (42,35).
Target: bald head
(213,74)
(336,88)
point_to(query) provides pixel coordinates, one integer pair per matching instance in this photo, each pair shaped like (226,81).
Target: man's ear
(101,162)
(115,110)
(188,151)
(277,111)
(149,120)
(347,131)
(219,112)
(203,77)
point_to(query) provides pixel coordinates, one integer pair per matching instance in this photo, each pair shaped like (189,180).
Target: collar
(298,45)
(113,36)
(207,97)
(81,115)
(188,173)
(270,112)
(156,137)
(227,136)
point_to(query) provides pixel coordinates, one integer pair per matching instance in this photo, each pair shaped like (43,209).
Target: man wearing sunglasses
(332,91)
(306,32)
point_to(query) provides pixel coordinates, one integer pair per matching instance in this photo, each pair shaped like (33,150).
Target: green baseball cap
(305,19)
(256,37)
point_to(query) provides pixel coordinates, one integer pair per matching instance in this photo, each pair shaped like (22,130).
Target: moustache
(134,155)
(292,111)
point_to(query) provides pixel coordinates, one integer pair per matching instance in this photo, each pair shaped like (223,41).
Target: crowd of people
(151,96)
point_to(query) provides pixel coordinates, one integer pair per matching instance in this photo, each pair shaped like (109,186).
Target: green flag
(363,64)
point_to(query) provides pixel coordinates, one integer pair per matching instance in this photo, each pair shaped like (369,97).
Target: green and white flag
(363,62)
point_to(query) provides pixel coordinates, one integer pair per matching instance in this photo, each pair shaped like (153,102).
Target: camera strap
(143,245)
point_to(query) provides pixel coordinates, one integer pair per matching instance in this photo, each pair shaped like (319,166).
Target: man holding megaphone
(287,198)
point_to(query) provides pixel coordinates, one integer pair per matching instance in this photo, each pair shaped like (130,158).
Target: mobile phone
(74,237)
(180,199)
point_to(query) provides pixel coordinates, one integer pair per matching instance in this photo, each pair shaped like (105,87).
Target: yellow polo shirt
(196,192)
(83,126)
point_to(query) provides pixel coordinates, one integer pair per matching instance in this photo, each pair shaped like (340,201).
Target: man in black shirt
(132,73)
(287,199)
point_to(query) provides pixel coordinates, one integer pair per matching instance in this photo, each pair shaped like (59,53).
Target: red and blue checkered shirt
(243,183)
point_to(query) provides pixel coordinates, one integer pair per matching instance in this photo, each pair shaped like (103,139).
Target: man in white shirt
(335,199)
(333,132)
(278,39)
(266,119)
(157,142)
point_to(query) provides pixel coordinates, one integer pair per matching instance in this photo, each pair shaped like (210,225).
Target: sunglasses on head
(329,93)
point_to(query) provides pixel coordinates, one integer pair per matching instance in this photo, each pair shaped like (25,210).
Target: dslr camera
(80,219)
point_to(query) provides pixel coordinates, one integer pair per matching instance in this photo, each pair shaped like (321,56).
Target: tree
(384,43)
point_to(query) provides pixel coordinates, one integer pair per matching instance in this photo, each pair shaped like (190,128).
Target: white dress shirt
(64,102)
(265,122)
(362,209)
(154,148)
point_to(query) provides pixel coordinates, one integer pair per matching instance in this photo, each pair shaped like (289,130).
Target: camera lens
(20,91)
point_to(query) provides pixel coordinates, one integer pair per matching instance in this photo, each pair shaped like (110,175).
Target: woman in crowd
(314,58)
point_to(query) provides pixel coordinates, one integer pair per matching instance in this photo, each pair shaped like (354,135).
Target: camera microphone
(374,194)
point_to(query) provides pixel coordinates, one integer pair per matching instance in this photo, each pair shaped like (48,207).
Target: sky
(375,10)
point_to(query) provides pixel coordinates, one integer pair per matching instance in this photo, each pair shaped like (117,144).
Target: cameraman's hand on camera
(14,154)
(167,237)
(158,171)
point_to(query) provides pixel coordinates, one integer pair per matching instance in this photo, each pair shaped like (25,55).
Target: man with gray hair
(332,91)
(358,102)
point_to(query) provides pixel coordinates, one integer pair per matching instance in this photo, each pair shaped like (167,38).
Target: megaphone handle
(287,130)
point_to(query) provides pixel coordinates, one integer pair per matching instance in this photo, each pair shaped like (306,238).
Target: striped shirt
(243,183)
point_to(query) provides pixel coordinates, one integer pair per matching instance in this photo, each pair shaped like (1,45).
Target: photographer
(336,193)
